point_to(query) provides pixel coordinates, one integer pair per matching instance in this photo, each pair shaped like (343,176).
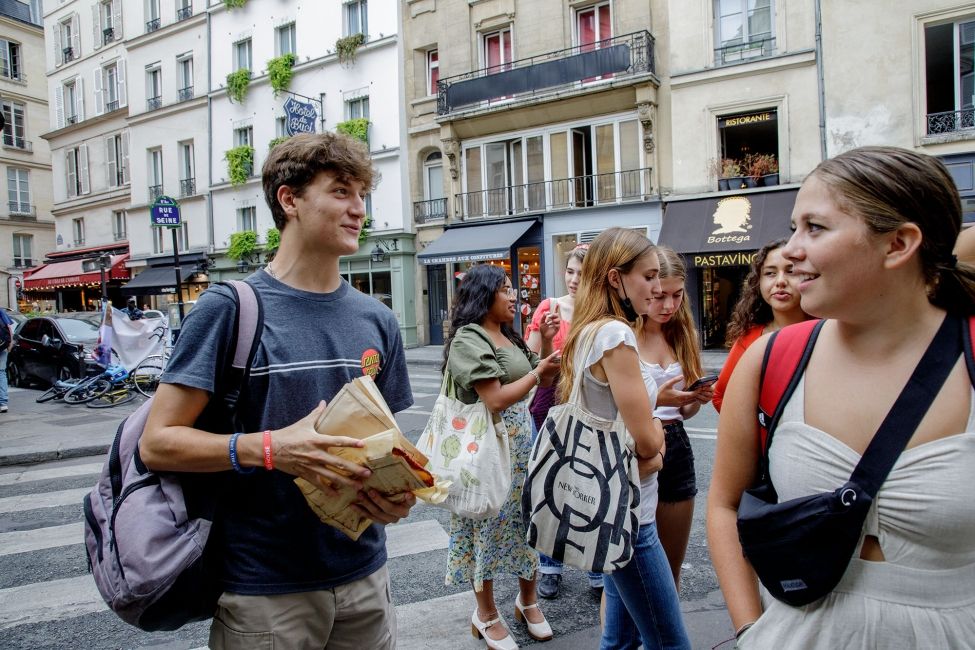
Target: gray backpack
(146,532)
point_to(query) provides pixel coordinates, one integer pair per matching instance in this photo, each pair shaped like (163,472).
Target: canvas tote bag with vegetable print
(582,494)
(466,446)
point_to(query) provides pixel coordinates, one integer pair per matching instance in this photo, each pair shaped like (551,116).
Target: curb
(35,457)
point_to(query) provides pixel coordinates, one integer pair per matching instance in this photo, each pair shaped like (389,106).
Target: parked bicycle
(146,375)
(95,386)
(58,389)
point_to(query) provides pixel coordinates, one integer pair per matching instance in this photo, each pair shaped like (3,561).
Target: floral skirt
(481,549)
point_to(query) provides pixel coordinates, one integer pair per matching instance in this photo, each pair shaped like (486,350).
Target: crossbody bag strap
(909,409)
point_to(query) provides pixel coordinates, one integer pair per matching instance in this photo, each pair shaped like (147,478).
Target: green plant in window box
(276,141)
(273,239)
(364,233)
(357,127)
(280,70)
(348,46)
(234,4)
(240,163)
(242,244)
(237,83)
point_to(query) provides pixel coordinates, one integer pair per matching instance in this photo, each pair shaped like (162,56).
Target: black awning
(158,279)
(742,222)
(476,243)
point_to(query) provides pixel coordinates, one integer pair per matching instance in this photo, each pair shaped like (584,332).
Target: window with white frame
(154,173)
(183,236)
(110,87)
(356,18)
(247,219)
(433,71)
(11,66)
(117,159)
(23,250)
(357,108)
(593,24)
(76,170)
(18,191)
(433,177)
(69,102)
(949,53)
(153,20)
(285,39)
(78,230)
(14,129)
(280,127)
(496,51)
(67,40)
(743,29)
(187,175)
(153,87)
(242,54)
(244,136)
(184,9)
(184,68)
(108,22)
(119,230)
(159,240)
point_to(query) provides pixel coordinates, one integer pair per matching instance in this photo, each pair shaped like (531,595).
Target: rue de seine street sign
(164,213)
(301,116)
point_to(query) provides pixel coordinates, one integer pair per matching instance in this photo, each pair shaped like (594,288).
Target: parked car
(47,348)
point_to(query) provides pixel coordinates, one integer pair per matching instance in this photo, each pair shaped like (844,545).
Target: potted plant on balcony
(279,72)
(273,142)
(233,4)
(729,173)
(242,245)
(240,163)
(237,82)
(347,47)
(357,127)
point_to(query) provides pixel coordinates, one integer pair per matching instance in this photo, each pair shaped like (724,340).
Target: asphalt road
(47,600)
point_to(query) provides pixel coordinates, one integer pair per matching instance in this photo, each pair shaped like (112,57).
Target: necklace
(270,271)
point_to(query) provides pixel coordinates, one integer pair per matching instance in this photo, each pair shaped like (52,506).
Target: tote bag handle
(583,352)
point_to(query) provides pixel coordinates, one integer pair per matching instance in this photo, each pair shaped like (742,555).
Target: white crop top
(662,375)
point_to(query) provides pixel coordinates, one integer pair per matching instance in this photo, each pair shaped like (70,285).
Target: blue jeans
(547,564)
(3,375)
(641,601)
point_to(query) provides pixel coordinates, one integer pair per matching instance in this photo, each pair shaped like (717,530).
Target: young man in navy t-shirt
(289,579)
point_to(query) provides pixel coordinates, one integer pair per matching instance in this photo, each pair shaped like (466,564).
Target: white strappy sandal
(538,631)
(478,628)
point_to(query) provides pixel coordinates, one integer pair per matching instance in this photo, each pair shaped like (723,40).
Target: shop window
(370,278)
(749,154)
(743,30)
(949,52)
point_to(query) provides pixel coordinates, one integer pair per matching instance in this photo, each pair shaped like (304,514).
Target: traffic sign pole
(179,277)
(164,213)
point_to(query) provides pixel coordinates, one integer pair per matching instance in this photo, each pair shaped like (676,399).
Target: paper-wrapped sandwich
(359,411)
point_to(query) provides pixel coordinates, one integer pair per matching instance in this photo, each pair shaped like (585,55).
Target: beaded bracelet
(233,456)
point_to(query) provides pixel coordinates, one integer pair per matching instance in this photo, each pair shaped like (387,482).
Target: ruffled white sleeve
(609,337)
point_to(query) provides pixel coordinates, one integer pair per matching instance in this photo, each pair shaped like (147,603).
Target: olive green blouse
(473,357)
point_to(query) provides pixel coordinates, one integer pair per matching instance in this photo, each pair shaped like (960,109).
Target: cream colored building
(531,129)
(26,223)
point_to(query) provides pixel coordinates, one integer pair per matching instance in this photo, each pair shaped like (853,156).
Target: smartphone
(703,381)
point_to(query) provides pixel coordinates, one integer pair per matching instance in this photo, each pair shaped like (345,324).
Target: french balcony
(185,93)
(152,103)
(581,66)
(70,119)
(187,187)
(19,210)
(108,35)
(155,191)
(14,75)
(743,52)
(427,211)
(111,106)
(951,121)
(68,54)
(590,190)
(13,142)
(153,25)
(183,13)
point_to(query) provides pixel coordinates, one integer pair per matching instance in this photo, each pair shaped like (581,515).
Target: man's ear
(286,199)
(903,245)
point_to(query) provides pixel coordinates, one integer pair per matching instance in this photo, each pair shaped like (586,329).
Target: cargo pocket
(224,637)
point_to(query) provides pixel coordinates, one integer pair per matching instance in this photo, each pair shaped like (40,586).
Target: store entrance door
(436,301)
(719,291)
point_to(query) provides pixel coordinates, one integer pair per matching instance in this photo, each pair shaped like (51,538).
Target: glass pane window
(247,219)
(242,55)
(743,21)
(286,39)
(357,108)
(186,160)
(497,48)
(13,130)
(356,18)
(244,136)
(159,240)
(78,229)
(10,64)
(185,67)
(433,71)
(18,190)
(593,24)
(23,248)
(118,224)
(153,83)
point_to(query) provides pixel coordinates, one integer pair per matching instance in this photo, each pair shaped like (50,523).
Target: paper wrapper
(359,411)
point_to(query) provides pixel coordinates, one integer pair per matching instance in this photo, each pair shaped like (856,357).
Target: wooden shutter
(96,24)
(58,48)
(125,157)
(117,19)
(99,98)
(79,99)
(120,75)
(59,106)
(111,166)
(71,172)
(83,172)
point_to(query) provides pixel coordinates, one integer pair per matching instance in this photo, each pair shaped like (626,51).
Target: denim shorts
(677,480)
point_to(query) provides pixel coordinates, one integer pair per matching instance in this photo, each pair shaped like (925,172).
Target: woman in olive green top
(488,360)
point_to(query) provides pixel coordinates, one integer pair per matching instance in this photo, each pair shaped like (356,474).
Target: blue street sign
(300,116)
(164,213)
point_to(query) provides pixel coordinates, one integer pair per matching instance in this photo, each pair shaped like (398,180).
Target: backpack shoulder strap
(248,323)
(968,334)
(786,357)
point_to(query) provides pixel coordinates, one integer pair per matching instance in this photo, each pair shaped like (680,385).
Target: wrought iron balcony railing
(108,35)
(155,191)
(427,211)
(10,73)
(563,194)
(70,119)
(153,25)
(184,12)
(951,121)
(185,93)
(187,187)
(613,58)
(111,106)
(19,209)
(68,54)
(740,52)
(153,103)
(14,142)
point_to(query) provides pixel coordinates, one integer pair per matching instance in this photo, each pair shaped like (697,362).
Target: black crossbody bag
(800,549)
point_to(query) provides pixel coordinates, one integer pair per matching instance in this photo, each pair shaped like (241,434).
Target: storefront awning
(158,279)
(476,243)
(72,273)
(729,223)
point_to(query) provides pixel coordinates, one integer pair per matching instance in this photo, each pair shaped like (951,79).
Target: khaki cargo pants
(351,617)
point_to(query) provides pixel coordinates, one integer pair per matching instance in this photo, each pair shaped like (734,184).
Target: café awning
(727,223)
(475,243)
(158,279)
(74,273)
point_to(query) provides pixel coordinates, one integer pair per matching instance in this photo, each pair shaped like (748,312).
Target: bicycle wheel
(114,397)
(84,393)
(146,375)
(49,394)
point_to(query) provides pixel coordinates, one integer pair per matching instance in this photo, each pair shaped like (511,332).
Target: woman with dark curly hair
(769,302)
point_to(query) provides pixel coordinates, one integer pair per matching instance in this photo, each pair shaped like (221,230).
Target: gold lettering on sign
(725,259)
(748,119)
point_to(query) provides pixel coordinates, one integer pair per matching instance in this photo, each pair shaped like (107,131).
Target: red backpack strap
(969,335)
(786,356)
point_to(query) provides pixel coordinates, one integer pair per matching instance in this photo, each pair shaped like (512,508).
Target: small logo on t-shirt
(370,362)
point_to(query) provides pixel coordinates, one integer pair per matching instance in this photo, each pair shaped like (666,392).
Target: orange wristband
(268,456)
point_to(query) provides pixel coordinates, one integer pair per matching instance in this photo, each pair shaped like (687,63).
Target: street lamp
(242,265)
(104,263)
(380,249)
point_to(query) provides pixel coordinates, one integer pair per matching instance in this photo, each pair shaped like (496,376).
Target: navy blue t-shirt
(311,345)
